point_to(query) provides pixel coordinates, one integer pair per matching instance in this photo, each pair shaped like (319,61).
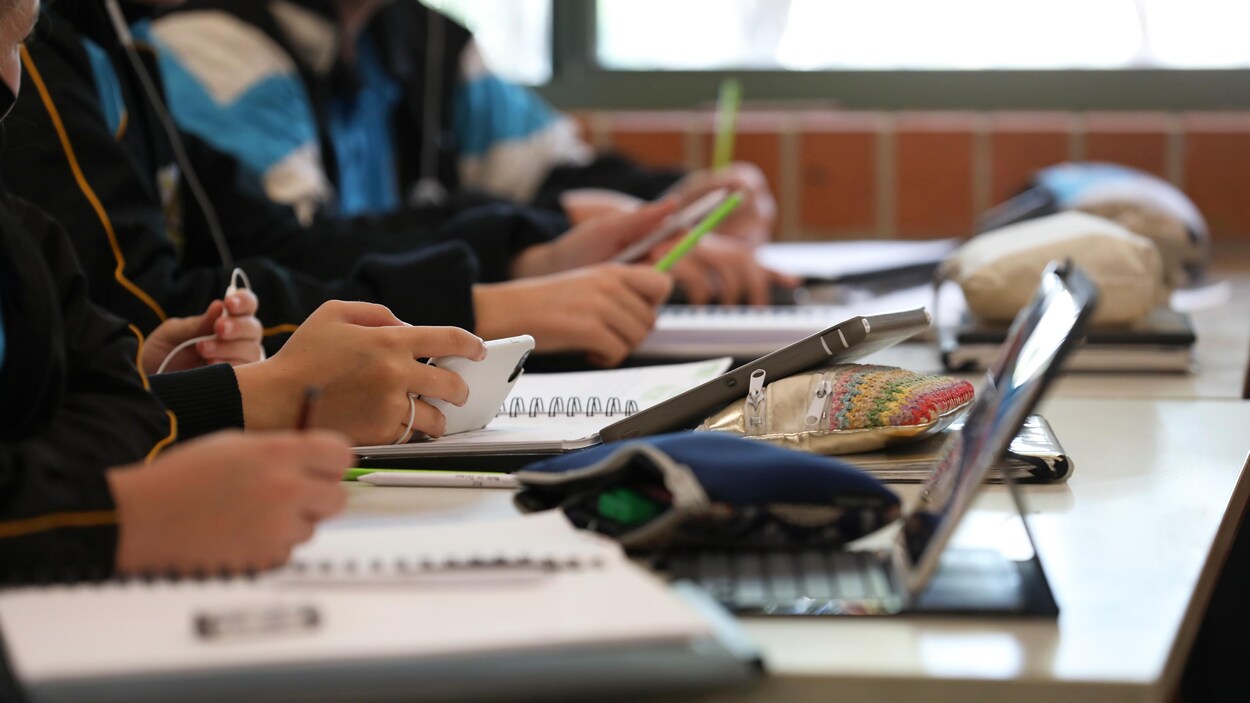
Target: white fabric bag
(999,270)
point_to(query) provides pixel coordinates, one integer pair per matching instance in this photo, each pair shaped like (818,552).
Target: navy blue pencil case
(696,489)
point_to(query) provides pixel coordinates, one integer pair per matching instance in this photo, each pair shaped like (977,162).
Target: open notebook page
(833,260)
(140,629)
(564,411)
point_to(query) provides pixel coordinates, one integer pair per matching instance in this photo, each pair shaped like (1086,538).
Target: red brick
(1217,169)
(1022,143)
(757,140)
(653,138)
(1134,139)
(837,174)
(933,168)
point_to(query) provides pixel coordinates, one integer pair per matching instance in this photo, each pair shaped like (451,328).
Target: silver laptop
(918,573)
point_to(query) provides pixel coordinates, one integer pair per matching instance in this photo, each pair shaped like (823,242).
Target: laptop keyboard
(788,582)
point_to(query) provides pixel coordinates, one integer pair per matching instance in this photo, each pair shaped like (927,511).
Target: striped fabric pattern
(866,396)
(234,87)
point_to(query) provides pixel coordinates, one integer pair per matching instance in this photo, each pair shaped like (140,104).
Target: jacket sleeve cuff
(428,286)
(498,233)
(204,400)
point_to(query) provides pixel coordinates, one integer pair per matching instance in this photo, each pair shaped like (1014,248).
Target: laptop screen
(1038,339)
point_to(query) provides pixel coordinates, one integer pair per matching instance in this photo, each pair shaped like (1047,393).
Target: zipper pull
(755,399)
(816,410)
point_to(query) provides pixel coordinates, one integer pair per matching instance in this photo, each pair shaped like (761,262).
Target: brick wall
(843,174)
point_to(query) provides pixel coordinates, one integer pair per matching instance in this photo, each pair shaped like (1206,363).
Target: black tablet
(846,341)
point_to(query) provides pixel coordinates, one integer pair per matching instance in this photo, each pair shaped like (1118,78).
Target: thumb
(626,228)
(179,329)
(208,320)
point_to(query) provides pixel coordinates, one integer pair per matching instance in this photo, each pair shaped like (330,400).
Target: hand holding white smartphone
(490,380)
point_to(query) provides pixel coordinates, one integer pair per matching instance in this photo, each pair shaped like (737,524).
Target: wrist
(270,400)
(537,260)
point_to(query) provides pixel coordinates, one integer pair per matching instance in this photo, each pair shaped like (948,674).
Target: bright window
(514,35)
(921,34)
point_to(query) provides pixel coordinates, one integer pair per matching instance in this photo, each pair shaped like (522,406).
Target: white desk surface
(1132,546)
(1220,356)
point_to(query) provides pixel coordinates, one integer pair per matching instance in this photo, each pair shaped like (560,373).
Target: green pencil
(696,233)
(726,122)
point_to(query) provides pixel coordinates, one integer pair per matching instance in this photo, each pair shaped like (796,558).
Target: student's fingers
(242,303)
(433,382)
(625,228)
(759,281)
(725,270)
(652,285)
(319,500)
(176,330)
(605,347)
(321,454)
(426,418)
(628,330)
(211,313)
(695,185)
(431,342)
(783,279)
(230,328)
(203,324)
(358,313)
(693,281)
(639,316)
(233,353)
(583,204)
(617,298)
(302,529)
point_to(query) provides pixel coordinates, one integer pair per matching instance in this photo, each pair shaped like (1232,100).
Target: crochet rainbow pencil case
(845,408)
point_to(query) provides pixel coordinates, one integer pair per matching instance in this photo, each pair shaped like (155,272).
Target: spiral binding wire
(349,569)
(401,566)
(570,406)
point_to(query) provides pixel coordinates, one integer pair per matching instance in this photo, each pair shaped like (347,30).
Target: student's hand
(754,220)
(237,336)
(227,502)
(603,310)
(592,242)
(583,204)
(723,270)
(364,360)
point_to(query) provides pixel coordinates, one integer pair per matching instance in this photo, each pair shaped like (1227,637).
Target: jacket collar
(89,18)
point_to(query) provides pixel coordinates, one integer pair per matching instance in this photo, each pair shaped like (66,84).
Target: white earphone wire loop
(412,418)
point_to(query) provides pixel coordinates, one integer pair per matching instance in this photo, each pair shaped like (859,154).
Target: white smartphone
(490,381)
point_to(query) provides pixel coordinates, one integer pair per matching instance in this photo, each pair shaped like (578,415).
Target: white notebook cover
(136,630)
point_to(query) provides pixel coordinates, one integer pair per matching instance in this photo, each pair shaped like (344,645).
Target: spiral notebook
(559,412)
(381,610)
(1034,456)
